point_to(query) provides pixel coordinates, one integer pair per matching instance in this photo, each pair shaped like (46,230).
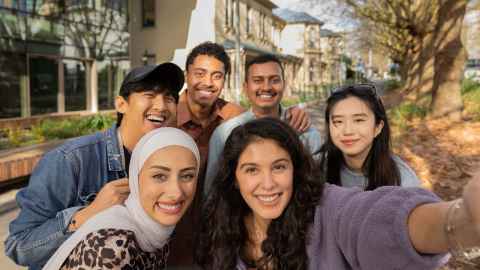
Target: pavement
(9,210)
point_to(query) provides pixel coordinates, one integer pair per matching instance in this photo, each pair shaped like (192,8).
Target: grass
(48,130)
(401,115)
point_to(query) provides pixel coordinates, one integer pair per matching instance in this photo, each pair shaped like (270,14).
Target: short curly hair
(210,49)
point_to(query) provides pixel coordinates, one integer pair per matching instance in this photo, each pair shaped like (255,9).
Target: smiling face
(264,86)
(352,128)
(205,79)
(264,176)
(167,185)
(145,111)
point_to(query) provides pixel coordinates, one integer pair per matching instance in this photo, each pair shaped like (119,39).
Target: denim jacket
(65,180)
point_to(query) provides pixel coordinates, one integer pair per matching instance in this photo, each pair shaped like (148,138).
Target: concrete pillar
(24,96)
(61,87)
(92,86)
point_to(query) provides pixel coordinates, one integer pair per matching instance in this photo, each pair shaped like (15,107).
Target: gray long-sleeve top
(367,230)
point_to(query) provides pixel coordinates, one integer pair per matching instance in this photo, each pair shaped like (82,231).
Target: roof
(328,33)
(291,16)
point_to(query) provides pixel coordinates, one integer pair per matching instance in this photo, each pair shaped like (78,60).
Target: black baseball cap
(167,74)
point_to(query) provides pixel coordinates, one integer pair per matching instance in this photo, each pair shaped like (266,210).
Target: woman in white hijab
(162,179)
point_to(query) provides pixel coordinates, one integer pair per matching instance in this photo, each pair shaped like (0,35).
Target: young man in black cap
(88,174)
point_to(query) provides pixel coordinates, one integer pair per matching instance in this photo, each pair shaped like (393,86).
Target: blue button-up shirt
(65,180)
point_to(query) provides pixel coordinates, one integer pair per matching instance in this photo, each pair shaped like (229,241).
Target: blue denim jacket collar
(115,154)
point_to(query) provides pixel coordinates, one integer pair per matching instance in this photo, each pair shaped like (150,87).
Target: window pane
(43,85)
(75,85)
(12,67)
(148,13)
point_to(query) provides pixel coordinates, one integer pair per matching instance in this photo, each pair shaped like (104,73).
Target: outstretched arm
(448,226)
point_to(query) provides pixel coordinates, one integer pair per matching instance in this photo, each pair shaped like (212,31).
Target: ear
(378,128)
(121,105)
(245,87)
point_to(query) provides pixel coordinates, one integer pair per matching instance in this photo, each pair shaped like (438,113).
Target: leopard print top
(113,249)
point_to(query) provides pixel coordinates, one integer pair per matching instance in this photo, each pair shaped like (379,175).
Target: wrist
(461,233)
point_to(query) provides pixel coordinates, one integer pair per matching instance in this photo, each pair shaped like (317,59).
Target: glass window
(43,85)
(148,13)
(12,68)
(75,85)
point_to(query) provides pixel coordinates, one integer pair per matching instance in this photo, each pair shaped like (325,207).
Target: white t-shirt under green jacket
(408,177)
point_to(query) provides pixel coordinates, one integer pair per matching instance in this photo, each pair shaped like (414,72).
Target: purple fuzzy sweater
(367,230)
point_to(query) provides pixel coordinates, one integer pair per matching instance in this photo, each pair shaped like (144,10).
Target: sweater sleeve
(370,228)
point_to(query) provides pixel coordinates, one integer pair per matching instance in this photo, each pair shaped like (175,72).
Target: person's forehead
(265,69)
(351,106)
(207,62)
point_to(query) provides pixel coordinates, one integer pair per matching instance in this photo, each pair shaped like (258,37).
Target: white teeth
(169,206)
(156,118)
(265,96)
(268,198)
(206,93)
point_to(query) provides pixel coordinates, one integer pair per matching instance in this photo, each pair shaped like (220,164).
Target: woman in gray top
(267,210)
(357,147)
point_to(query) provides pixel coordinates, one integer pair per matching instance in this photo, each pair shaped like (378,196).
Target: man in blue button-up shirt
(88,174)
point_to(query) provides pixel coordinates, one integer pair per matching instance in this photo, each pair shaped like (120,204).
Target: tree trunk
(450,58)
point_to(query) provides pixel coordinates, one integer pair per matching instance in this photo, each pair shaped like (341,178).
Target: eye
(336,122)
(218,76)
(169,99)
(251,170)
(279,167)
(187,177)
(199,74)
(160,177)
(149,94)
(276,81)
(359,120)
(257,81)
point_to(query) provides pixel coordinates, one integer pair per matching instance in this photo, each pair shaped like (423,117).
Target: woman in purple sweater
(268,209)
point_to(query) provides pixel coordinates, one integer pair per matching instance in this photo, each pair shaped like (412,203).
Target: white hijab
(149,234)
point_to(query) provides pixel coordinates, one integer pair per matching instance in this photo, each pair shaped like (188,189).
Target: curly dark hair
(379,166)
(223,234)
(210,49)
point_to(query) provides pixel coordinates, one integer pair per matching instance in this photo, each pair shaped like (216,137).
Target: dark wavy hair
(223,233)
(379,167)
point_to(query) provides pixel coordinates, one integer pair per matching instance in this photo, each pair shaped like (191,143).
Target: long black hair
(223,234)
(379,167)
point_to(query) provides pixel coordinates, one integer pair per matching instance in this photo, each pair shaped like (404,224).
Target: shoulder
(225,128)
(407,174)
(86,141)
(228,109)
(108,247)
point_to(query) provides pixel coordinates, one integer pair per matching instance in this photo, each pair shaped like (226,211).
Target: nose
(173,191)
(266,85)
(208,81)
(348,127)
(268,181)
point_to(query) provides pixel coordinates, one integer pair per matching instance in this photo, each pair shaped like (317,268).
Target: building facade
(183,25)
(301,37)
(332,48)
(61,56)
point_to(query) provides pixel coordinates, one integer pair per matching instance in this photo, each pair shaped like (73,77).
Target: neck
(257,233)
(129,140)
(266,112)
(355,163)
(199,112)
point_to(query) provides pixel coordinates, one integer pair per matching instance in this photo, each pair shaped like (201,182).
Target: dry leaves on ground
(444,155)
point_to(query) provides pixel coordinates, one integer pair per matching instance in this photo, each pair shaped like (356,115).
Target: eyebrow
(255,164)
(354,115)
(168,169)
